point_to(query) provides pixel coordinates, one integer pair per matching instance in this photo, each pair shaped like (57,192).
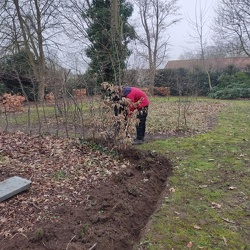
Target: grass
(207,201)
(59,175)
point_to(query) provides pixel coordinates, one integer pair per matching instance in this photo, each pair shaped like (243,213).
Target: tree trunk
(38,70)
(41,61)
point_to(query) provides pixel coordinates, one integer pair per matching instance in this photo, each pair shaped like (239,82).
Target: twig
(20,234)
(37,207)
(229,221)
(93,246)
(225,240)
(70,242)
(45,245)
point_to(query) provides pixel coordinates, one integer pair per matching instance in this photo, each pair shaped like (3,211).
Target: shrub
(232,87)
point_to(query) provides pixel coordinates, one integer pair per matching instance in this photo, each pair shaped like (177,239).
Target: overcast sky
(180,33)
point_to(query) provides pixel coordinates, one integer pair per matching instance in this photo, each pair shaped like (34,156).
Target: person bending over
(140,102)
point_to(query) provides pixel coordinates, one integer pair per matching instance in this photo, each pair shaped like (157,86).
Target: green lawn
(207,200)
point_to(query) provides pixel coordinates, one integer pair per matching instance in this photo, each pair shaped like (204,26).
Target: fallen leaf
(190,244)
(225,240)
(216,205)
(3,219)
(197,169)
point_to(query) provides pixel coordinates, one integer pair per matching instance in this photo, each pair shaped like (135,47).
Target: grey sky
(180,33)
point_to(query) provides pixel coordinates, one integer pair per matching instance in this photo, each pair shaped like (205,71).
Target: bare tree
(198,28)
(30,25)
(198,35)
(156,17)
(232,24)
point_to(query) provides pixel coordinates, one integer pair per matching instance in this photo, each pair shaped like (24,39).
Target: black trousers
(141,127)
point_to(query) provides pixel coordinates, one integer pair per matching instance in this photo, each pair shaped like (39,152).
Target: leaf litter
(79,197)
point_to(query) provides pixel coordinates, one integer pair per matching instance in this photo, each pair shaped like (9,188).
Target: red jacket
(135,95)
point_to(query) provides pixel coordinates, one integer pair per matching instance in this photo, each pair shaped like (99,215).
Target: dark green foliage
(16,64)
(3,89)
(107,51)
(90,81)
(231,70)
(229,83)
(184,82)
(232,87)
(17,75)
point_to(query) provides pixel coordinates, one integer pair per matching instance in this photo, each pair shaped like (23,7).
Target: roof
(211,63)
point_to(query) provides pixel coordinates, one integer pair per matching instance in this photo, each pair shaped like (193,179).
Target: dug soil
(110,215)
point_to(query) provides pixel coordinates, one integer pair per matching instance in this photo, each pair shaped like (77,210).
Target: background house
(211,64)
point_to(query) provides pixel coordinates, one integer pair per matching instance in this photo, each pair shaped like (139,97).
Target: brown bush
(79,92)
(11,103)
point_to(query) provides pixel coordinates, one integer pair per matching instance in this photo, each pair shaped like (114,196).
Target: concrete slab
(13,186)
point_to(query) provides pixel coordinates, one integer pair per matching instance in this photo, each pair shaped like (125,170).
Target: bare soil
(110,215)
